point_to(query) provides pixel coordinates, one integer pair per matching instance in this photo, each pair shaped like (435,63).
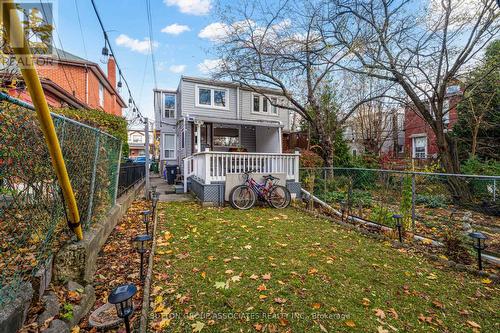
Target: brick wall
(415,125)
(73,78)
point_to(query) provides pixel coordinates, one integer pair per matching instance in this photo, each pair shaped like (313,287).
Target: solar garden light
(154,202)
(141,245)
(146,214)
(343,209)
(479,239)
(152,191)
(121,297)
(399,226)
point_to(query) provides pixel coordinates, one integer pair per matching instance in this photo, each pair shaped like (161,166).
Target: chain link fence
(429,202)
(33,221)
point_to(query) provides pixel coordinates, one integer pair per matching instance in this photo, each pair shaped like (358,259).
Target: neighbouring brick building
(420,140)
(69,80)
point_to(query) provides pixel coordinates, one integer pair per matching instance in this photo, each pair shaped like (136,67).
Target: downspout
(238,116)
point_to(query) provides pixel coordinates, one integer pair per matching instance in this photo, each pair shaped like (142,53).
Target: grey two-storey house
(213,128)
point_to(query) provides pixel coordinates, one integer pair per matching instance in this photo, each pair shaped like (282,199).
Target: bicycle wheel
(279,197)
(242,197)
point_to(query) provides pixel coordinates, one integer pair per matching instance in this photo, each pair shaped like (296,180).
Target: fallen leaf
(198,326)
(229,271)
(316,306)
(75,329)
(486,281)
(380,329)
(262,287)
(393,313)
(366,301)
(254,277)
(312,271)
(438,304)
(221,285)
(236,278)
(262,296)
(280,300)
(258,327)
(379,313)
(248,247)
(473,324)
(203,274)
(266,276)
(350,323)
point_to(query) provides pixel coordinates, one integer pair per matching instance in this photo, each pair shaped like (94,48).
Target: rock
(57,326)
(74,286)
(52,307)
(460,267)
(13,313)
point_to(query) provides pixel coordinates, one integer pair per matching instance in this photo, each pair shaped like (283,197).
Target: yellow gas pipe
(22,52)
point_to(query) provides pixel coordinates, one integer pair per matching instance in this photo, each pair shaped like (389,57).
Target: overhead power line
(120,73)
(151,40)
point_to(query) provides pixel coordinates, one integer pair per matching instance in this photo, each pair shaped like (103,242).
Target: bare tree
(286,46)
(421,47)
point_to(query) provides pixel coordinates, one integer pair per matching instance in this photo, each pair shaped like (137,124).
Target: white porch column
(198,135)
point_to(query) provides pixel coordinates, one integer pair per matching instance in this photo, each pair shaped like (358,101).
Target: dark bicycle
(245,196)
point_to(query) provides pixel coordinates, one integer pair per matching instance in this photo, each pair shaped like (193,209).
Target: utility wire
(108,43)
(150,24)
(81,29)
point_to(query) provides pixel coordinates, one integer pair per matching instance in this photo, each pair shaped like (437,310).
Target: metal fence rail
(32,215)
(428,201)
(130,174)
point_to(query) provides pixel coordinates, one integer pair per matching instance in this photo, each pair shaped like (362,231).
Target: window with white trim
(420,147)
(137,138)
(168,106)
(212,97)
(446,112)
(169,146)
(226,137)
(101,94)
(262,104)
(274,108)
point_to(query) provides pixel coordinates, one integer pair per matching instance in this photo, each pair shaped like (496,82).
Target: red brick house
(420,140)
(69,80)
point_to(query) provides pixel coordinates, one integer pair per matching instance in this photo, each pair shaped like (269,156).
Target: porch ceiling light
(121,297)
(479,240)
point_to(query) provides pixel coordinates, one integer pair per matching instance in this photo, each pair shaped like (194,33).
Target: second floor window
(137,138)
(169,106)
(101,94)
(264,105)
(211,97)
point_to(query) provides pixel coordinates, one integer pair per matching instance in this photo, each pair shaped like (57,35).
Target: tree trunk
(449,158)
(475,131)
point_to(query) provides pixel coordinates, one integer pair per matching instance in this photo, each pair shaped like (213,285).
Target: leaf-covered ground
(223,270)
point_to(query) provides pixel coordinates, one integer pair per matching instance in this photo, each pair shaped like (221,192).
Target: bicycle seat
(270,177)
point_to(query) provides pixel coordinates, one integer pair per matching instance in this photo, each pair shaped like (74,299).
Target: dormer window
(452,90)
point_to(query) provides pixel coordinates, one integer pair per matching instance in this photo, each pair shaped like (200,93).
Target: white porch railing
(213,166)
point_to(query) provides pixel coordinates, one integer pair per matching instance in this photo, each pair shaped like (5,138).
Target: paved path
(167,192)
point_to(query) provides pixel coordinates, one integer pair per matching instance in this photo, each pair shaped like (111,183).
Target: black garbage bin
(171,173)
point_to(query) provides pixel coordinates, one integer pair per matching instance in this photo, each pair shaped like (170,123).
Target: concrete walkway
(167,192)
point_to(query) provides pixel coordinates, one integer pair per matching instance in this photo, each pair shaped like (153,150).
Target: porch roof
(266,123)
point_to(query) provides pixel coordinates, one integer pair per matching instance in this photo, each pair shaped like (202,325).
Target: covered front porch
(205,172)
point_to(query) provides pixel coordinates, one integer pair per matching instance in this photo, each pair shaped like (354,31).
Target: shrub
(382,215)
(111,124)
(431,201)
(309,159)
(358,198)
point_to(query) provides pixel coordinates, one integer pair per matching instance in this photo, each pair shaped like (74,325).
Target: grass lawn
(223,270)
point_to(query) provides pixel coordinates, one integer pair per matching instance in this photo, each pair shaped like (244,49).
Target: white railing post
(208,163)
(296,168)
